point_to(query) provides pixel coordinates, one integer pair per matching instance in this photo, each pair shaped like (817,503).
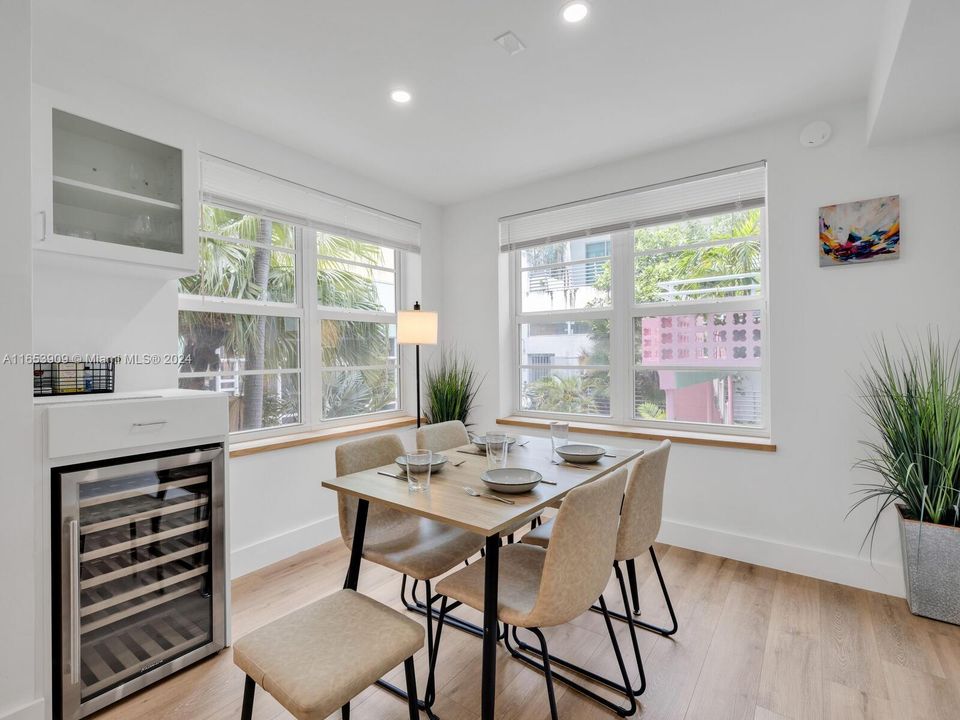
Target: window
(357,299)
(646,310)
(257,324)
(240,320)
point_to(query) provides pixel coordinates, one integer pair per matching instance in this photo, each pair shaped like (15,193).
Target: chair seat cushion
(314,660)
(425,550)
(539,536)
(521,567)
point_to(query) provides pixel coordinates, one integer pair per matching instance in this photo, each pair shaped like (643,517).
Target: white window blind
(714,193)
(226,183)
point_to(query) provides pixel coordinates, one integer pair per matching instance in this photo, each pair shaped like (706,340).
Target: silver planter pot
(931,568)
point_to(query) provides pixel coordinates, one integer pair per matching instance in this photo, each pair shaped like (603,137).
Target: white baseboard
(31,711)
(265,552)
(844,569)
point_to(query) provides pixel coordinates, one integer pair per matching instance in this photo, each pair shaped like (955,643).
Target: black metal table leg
(249,688)
(491,629)
(356,548)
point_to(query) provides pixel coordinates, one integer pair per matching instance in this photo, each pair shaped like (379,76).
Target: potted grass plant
(452,386)
(912,400)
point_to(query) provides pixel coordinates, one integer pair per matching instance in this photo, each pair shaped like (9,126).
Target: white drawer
(92,427)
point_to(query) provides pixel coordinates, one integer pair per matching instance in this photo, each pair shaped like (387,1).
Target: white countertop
(120,396)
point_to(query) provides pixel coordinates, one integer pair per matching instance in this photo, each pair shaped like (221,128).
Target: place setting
(578,455)
(498,477)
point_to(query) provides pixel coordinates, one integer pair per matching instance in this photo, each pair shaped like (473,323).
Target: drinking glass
(558,434)
(419,464)
(496,450)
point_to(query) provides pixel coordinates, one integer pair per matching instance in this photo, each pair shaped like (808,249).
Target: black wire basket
(73,378)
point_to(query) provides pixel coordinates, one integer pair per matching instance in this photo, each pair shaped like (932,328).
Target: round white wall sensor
(815,134)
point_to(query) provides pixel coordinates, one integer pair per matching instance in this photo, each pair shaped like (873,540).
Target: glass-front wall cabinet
(113,193)
(114,187)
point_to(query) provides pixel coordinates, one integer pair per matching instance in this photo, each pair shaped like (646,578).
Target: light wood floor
(754,643)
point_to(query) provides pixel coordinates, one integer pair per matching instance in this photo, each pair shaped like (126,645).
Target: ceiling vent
(510,42)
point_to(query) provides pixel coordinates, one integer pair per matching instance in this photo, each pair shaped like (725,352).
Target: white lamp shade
(416,327)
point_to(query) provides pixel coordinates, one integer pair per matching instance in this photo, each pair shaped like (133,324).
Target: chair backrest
(643,503)
(442,436)
(582,544)
(358,455)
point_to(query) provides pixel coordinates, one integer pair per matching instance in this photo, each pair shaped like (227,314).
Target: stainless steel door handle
(43,225)
(74,601)
(150,424)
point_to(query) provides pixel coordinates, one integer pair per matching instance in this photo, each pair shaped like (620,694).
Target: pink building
(708,365)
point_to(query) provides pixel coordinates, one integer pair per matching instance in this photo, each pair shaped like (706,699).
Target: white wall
(263,529)
(277,505)
(783,509)
(18,527)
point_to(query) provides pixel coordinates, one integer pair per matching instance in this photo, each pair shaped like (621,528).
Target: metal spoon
(471,491)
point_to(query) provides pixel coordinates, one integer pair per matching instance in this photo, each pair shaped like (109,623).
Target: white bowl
(511,480)
(436,466)
(481,441)
(577,453)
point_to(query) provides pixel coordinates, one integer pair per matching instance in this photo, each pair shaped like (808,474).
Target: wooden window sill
(279,442)
(740,442)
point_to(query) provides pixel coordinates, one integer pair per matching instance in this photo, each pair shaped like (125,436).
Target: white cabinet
(113,185)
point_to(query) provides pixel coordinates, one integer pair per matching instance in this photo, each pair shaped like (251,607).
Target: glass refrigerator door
(139,570)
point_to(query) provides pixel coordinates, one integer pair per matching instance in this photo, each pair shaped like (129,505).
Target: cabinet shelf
(115,201)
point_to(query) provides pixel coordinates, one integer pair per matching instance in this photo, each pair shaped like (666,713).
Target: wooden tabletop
(447,502)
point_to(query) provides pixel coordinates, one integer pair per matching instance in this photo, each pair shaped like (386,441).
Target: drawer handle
(150,424)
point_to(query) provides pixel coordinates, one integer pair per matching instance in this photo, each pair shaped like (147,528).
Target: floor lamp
(416,327)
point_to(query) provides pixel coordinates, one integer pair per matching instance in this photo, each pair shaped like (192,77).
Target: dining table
(448,501)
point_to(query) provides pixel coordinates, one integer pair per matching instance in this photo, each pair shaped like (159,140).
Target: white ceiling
(315,75)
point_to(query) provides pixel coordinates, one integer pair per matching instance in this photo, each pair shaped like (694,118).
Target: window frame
(622,312)
(310,314)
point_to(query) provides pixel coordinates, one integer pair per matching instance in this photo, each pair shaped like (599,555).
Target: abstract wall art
(859,232)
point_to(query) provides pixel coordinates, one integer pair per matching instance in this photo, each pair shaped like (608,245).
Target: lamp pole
(416,307)
(416,327)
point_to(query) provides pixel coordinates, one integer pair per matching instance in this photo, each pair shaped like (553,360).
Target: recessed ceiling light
(401,97)
(574,12)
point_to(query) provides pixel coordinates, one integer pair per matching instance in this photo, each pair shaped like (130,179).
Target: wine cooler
(139,578)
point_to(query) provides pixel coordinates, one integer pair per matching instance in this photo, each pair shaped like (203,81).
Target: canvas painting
(859,232)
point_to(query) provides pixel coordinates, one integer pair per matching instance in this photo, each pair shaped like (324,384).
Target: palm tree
(586,394)
(737,258)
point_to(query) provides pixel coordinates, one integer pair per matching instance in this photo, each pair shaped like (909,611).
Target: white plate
(481,440)
(438,462)
(575,452)
(511,480)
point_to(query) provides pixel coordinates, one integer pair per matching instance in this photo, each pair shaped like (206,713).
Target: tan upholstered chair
(414,546)
(543,588)
(640,520)
(443,436)
(320,657)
